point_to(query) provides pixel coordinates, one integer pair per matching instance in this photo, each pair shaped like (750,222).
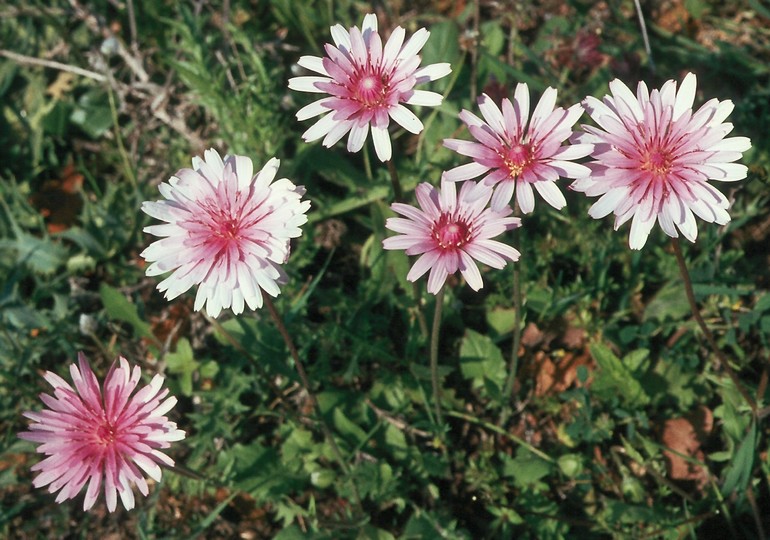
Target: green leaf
(92,113)
(258,470)
(348,428)
(526,468)
(637,361)
(41,255)
(570,464)
(613,379)
(181,362)
(669,303)
(481,360)
(118,307)
(501,320)
(763,304)
(369,532)
(738,473)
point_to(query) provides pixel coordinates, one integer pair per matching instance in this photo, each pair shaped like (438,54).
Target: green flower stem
(434,355)
(513,365)
(398,193)
(398,196)
(723,361)
(308,388)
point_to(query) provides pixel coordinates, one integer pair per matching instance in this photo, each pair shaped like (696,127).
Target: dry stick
(645,37)
(132,27)
(706,332)
(308,388)
(32,61)
(434,355)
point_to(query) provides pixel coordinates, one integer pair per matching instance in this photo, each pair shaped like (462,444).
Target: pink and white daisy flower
(654,158)
(515,155)
(102,437)
(226,230)
(450,231)
(367,85)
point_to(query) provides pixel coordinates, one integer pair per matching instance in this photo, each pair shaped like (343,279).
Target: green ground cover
(621,423)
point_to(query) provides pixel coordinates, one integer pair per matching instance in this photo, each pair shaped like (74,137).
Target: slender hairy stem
(723,361)
(308,388)
(418,310)
(513,365)
(398,193)
(434,355)
(398,196)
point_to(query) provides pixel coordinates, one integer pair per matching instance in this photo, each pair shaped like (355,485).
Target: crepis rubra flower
(450,232)
(227,231)
(654,157)
(516,152)
(102,436)
(368,83)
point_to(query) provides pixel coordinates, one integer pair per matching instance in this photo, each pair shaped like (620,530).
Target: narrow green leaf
(738,473)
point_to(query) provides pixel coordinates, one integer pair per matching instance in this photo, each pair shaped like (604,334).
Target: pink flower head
(226,230)
(654,158)
(367,84)
(96,436)
(450,231)
(514,154)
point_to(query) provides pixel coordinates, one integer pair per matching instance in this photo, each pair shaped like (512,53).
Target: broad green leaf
(526,468)
(41,255)
(348,428)
(501,320)
(369,532)
(92,113)
(669,303)
(481,360)
(763,304)
(118,307)
(613,379)
(181,362)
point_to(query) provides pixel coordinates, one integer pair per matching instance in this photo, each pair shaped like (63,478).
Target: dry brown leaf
(62,85)
(531,335)
(555,376)
(59,200)
(686,435)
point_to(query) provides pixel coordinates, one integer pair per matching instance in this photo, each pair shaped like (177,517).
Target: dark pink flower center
(517,158)
(227,228)
(450,232)
(369,89)
(657,161)
(106,434)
